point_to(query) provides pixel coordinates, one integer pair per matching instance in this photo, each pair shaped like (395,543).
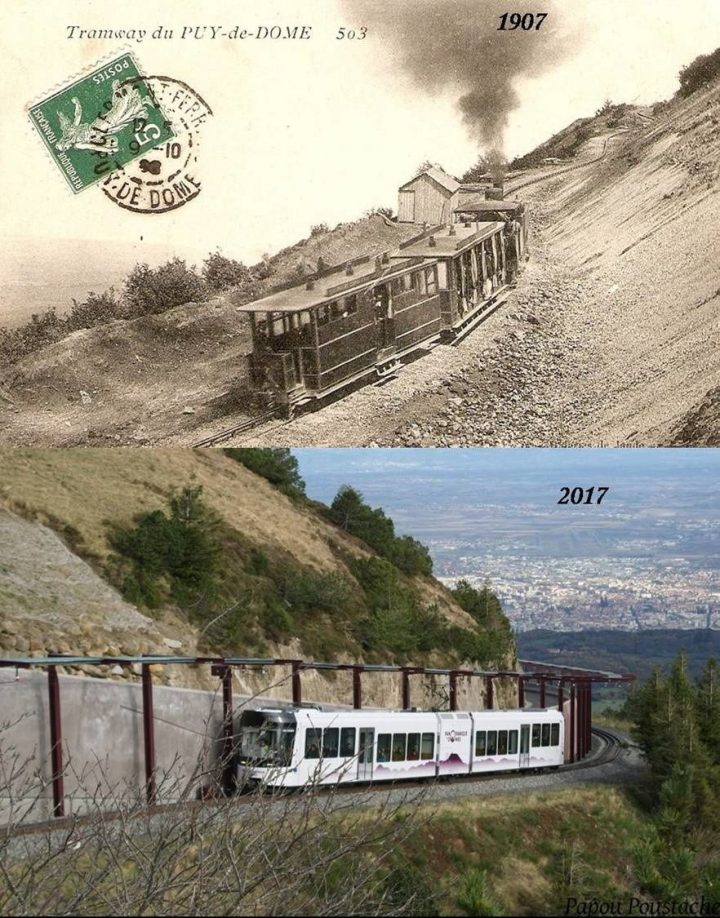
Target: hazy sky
(407,482)
(312,131)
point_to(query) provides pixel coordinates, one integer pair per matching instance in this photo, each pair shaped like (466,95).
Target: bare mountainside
(609,338)
(291,583)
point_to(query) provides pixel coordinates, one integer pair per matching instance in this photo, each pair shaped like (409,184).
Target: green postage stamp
(101,122)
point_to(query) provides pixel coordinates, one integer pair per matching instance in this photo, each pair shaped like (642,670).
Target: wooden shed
(428,198)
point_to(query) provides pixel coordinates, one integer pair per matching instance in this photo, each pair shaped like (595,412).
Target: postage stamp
(101,122)
(166,176)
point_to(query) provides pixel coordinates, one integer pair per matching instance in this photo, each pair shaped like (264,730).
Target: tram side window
(442,275)
(419,282)
(384,744)
(351,304)
(278,326)
(431,280)
(398,747)
(347,741)
(491,748)
(408,282)
(480,743)
(323,315)
(513,742)
(413,747)
(546,734)
(502,742)
(304,318)
(330,743)
(427,750)
(555,735)
(313,739)
(536,735)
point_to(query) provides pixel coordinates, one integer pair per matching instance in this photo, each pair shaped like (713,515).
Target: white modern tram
(296,747)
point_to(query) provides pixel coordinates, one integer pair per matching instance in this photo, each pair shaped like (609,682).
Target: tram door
(384,320)
(525,746)
(365,759)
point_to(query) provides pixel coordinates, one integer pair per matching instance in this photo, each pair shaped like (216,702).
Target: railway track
(557,172)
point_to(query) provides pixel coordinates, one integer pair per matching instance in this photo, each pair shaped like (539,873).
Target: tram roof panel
(334,284)
(484,205)
(449,244)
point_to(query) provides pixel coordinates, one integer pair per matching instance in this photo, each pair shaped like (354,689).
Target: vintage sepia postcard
(355,222)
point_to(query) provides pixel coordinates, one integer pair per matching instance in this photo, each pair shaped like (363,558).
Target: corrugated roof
(437,175)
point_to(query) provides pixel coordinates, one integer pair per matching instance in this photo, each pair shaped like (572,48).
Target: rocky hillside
(289,583)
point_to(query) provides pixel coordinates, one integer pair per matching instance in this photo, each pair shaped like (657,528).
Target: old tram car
(359,320)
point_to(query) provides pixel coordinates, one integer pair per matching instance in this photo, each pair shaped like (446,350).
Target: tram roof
(334,283)
(485,205)
(449,243)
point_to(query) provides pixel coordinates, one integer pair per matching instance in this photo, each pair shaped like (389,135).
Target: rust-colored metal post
(228,763)
(453,689)
(148,734)
(357,687)
(296,682)
(489,696)
(573,717)
(56,756)
(405,688)
(521,692)
(542,691)
(588,727)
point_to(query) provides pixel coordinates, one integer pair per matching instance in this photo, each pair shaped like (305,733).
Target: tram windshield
(266,740)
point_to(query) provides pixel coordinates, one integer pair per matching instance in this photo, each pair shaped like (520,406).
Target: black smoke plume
(456,45)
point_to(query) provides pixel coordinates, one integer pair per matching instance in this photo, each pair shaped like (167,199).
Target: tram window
(419,282)
(546,734)
(480,743)
(413,747)
(351,305)
(398,747)
(536,735)
(384,744)
(502,742)
(304,318)
(513,742)
(428,746)
(278,325)
(396,286)
(408,282)
(431,280)
(491,748)
(330,742)
(442,275)
(347,741)
(335,311)
(312,743)
(555,734)
(323,315)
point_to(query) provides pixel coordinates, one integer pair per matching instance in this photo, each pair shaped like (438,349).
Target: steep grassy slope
(287,582)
